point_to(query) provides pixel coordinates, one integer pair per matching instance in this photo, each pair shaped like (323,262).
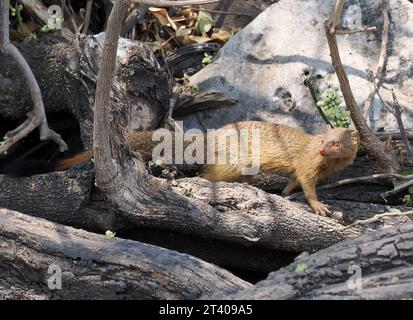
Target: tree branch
(378,217)
(364,179)
(386,160)
(168,3)
(39,113)
(376,78)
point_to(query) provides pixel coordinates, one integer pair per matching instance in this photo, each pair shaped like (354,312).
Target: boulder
(264,65)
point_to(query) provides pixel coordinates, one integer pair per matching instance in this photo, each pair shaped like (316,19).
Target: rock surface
(265,64)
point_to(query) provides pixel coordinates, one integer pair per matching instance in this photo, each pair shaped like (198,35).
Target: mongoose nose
(322,151)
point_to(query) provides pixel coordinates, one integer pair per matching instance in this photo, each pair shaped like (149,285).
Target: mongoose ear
(355,137)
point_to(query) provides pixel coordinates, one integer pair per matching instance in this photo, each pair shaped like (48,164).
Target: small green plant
(332,108)
(407,200)
(16,12)
(300,267)
(110,234)
(22,28)
(207,59)
(186,88)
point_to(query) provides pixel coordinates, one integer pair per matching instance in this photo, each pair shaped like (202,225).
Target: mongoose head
(339,143)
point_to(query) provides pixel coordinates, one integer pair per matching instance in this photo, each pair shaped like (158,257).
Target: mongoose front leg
(291,185)
(309,191)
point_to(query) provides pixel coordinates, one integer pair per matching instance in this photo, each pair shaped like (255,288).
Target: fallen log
(94,266)
(373,266)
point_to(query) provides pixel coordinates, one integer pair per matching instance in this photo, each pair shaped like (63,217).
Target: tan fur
(285,149)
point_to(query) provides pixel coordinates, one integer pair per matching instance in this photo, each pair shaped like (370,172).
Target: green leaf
(204,24)
(110,234)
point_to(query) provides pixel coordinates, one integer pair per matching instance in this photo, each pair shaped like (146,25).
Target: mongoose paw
(320,208)
(285,193)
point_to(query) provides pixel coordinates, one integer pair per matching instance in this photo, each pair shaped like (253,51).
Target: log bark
(96,267)
(56,196)
(384,258)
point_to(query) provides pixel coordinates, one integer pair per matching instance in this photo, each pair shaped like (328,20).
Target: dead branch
(376,78)
(88,12)
(397,189)
(386,160)
(378,217)
(363,179)
(39,115)
(352,31)
(136,15)
(168,3)
(398,115)
(394,135)
(396,111)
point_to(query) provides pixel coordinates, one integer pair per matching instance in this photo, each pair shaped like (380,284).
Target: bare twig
(88,12)
(232,13)
(310,87)
(169,3)
(397,189)
(376,218)
(380,66)
(362,179)
(352,31)
(70,12)
(386,160)
(38,117)
(136,15)
(336,15)
(396,111)
(398,115)
(393,135)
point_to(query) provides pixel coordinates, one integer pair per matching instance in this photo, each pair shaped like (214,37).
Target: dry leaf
(221,35)
(162,16)
(199,39)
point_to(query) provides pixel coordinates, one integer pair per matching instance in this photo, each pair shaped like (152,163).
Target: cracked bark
(95,267)
(385,259)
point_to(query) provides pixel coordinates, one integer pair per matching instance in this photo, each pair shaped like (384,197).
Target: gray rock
(265,64)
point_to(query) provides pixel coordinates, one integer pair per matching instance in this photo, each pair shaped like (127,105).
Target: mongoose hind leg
(291,186)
